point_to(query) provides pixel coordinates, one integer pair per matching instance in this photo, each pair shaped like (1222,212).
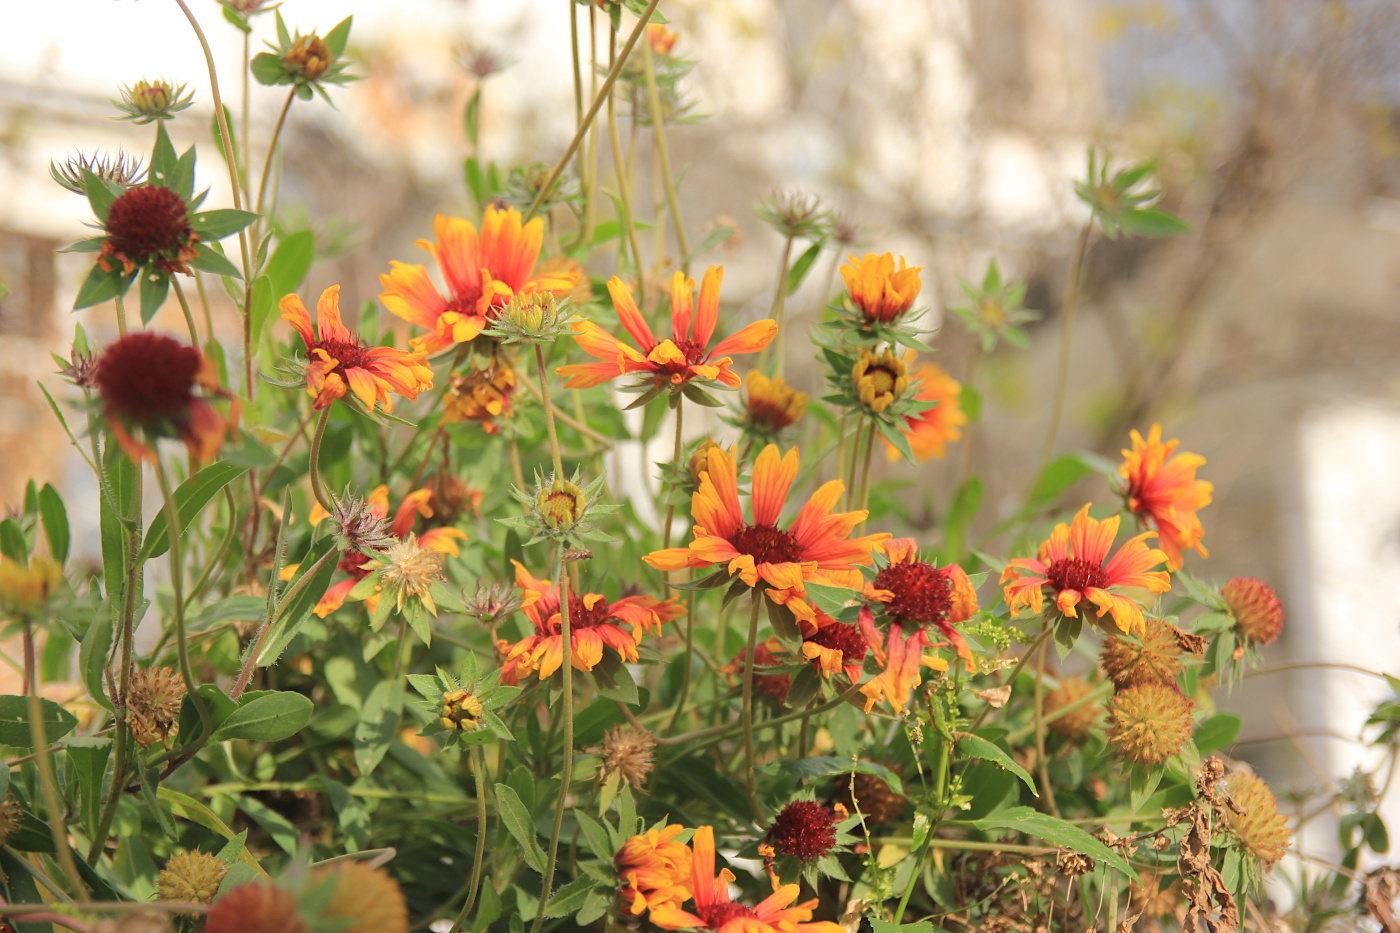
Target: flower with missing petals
(409,569)
(655,870)
(191,876)
(260,907)
(1261,828)
(1257,610)
(625,752)
(153,704)
(1150,722)
(804,829)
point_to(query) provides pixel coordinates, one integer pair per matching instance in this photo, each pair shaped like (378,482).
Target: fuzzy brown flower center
(1071,573)
(843,638)
(147,222)
(348,354)
(147,377)
(581,617)
(922,595)
(719,913)
(804,829)
(767,544)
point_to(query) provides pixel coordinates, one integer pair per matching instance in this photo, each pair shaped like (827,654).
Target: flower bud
(460,710)
(879,380)
(561,506)
(148,101)
(26,590)
(308,57)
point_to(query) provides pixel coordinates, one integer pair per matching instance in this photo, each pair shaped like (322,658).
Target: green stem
(1066,327)
(204,303)
(316,489)
(272,149)
(189,316)
(177,578)
(604,93)
(121,317)
(675,464)
(479,770)
(567,770)
(940,774)
(779,309)
(966,472)
(851,470)
(1042,766)
(756,598)
(684,693)
(47,788)
(549,414)
(865,473)
(624,190)
(659,130)
(578,74)
(219,552)
(1011,678)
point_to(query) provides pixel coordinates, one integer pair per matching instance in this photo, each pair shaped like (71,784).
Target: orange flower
(593,623)
(931,432)
(772,404)
(482,395)
(813,548)
(902,658)
(339,361)
(483,272)
(1163,489)
(661,38)
(916,594)
(882,293)
(685,355)
(655,870)
(715,911)
(1073,563)
(832,646)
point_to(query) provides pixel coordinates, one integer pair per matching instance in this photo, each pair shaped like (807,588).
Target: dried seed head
(804,829)
(795,215)
(153,705)
(1072,864)
(1156,660)
(411,570)
(366,900)
(191,876)
(1077,724)
(625,751)
(875,799)
(357,528)
(1157,895)
(483,61)
(1260,827)
(1256,607)
(1148,723)
(491,603)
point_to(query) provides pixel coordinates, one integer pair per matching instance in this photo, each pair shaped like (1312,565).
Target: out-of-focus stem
(624,188)
(47,788)
(659,129)
(749,777)
(1057,407)
(121,317)
(675,464)
(189,316)
(561,582)
(479,770)
(1042,766)
(272,149)
(779,310)
(177,586)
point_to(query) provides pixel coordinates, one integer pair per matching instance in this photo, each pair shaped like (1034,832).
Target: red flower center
(804,829)
(581,617)
(922,592)
(147,377)
(843,638)
(719,913)
(352,562)
(767,544)
(465,302)
(348,354)
(1071,573)
(147,222)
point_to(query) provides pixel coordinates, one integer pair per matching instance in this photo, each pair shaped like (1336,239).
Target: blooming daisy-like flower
(715,911)
(593,623)
(902,658)
(832,645)
(882,293)
(683,356)
(147,383)
(930,432)
(1073,563)
(1162,489)
(655,870)
(339,361)
(812,548)
(483,271)
(804,829)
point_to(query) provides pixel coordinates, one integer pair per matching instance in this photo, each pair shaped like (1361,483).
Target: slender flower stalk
(1057,406)
(1047,791)
(478,764)
(749,652)
(659,131)
(779,309)
(624,187)
(173,532)
(47,788)
(317,489)
(272,149)
(189,317)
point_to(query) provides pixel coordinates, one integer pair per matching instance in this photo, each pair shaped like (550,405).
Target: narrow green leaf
(13,546)
(154,288)
(516,820)
(87,758)
(92,653)
(267,717)
(217,224)
(1152,222)
(290,262)
(379,723)
(1217,732)
(1056,832)
(99,286)
(973,746)
(190,499)
(207,259)
(54,516)
(261,308)
(799,269)
(824,766)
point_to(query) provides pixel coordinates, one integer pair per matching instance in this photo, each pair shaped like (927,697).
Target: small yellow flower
(408,569)
(879,380)
(25,590)
(561,505)
(460,710)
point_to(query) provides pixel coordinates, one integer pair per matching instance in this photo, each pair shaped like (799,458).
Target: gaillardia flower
(804,829)
(771,405)
(260,907)
(482,395)
(676,360)
(814,546)
(339,361)
(930,432)
(1162,490)
(366,899)
(1149,722)
(655,870)
(191,876)
(1261,828)
(715,911)
(882,293)
(1073,564)
(832,645)
(593,623)
(1256,607)
(482,271)
(879,380)
(147,383)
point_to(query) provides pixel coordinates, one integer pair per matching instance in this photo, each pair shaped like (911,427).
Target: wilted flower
(1260,827)
(493,602)
(655,870)
(879,380)
(410,569)
(482,395)
(366,899)
(80,370)
(480,60)
(875,800)
(1076,724)
(1154,658)
(1256,607)
(357,526)
(306,62)
(191,876)
(120,169)
(1149,722)
(153,704)
(10,815)
(804,829)
(26,589)
(795,215)
(882,293)
(626,752)
(1163,492)
(261,907)
(148,101)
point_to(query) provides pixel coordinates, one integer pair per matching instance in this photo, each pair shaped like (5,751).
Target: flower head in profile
(815,545)
(119,168)
(882,293)
(482,395)
(931,431)
(673,361)
(832,645)
(594,623)
(339,362)
(1073,566)
(147,101)
(1163,492)
(655,870)
(154,386)
(770,405)
(483,272)
(714,910)
(1262,830)
(306,62)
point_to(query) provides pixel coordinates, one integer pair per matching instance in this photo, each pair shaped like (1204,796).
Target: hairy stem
(567,769)
(549,413)
(1042,766)
(317,489)
(478,764)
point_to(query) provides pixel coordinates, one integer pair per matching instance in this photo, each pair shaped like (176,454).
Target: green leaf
(150,780)
(516,820)
(1153,222)
(99,286)
(884,926)
(164,161)
(267,717)
(974,746)
(190,498)
(261,307)
(13,545)
(100,194)
(595,836)
(207,259)
(54,516)
(92,653)
(289,264)
(217,224)
(970,401)
(87,758)
(155,286)
(570,897)
(1217,732)
(335,39)
(267,69)
(966,501)
(784,624)
(1057,477)
(824,766)
(1056,832)
(14,721)
(799,269)
(379,722)
(833,600)
(292,612)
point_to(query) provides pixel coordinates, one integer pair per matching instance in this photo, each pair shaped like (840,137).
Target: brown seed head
(1148,723)
(1256,607)
(493,602)
(1077,724)
(153,705)
(1263,830)
(255,908)
(626,751)
(147,377)
(356,527)
(191,876)
(1156,660)
(875,799)
(366,899)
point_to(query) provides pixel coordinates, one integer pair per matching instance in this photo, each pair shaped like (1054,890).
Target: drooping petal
(328,323)
(632,319)
(295,314)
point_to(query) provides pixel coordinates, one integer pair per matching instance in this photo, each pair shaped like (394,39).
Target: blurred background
(948,131)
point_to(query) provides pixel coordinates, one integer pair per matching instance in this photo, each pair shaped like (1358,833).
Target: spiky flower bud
(1156,660)
(356,527)
(1076,724)
(1149,722)
(532,317)
(255,908)
(80,370)
(148,101)
(153,704)
(191,876)
(459,710)
(366,900)
(491,603)
(795,215)
(879,380)
(625,751)
(1256,607)
(483,61)
(121,169)
(1260,827)
(804,829)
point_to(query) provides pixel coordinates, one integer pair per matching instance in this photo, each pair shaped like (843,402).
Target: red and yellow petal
(773,475)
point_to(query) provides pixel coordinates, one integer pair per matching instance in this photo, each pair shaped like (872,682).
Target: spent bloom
(365,899)
(409,568)
(338,361)
(191,876)
(625,752)
(771,405)
(1073,564)
(482,395)
(153,704)
(1149,722)
(882,293)
(1153,657)
(931,431)
(804,829)
(1261,829)
(1163,492)
(675,360)
(120,169)
(1257,610)
(1076,724)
